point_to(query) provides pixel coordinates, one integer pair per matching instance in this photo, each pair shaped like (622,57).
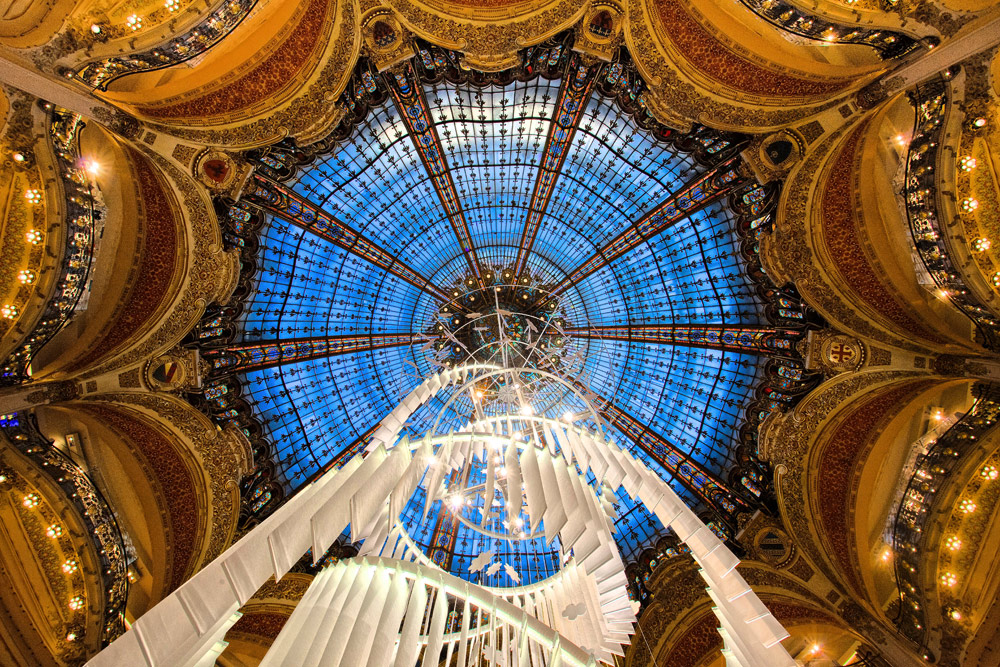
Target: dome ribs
(408,96)
(695,195)
(291,207)
(577,86)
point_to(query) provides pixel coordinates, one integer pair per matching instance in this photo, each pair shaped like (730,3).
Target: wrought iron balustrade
(933,468)
(793,19)
(193,43)
(22,430)
(83,211)
(920,193)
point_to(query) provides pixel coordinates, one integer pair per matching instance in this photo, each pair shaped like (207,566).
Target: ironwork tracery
(440,175)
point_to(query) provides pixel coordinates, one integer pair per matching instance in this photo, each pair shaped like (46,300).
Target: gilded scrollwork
(211,277)
(311,113)
(224,454)
(786,440)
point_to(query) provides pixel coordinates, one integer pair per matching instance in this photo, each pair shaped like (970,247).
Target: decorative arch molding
(689,37)
(682,98)
(788,441)
(263,106)
(176,440)
(821,451)
(821,239)
(157,269)
(490,35)
(837,458)
(270,76)
(181,268)
(180,491)
(680,629)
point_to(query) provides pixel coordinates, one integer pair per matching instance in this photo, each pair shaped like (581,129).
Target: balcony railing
(22,431)
(932,469)
(83,212)
(793,19)
(193,43)
(920,192)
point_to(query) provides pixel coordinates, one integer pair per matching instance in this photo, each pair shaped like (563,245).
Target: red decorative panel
(156,266)
(843,451)
(840,235)
(263,80)
(266,625)
(700,639)
(703,636)
(719,62)
(173,479)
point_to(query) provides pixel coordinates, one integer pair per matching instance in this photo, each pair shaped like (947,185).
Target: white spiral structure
(390,605)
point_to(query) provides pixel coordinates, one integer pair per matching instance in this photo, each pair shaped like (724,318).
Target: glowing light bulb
(134,21)
(96,29)
(172,5)
(70,566)
(34,195)
(33,236)
(990,472)
(953,543)
(527,410)
(76,603)
(967,506)
(30,500)
(982,244)
(969,205)
(26,277)
(54,531)
(8,311)
(967,163)
(948,579)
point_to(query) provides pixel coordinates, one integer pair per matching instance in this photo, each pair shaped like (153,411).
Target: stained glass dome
(601,244)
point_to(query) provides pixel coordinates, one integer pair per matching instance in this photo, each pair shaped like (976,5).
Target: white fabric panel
(325,620)
(333,515)
(474,652)
(331,648)
(514,498)
(384,636)
(555,514)
(406,655)
(463,640)
(574,499)
(533,486)
(488,492)
(300,629)
(432,654)
(369,498)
